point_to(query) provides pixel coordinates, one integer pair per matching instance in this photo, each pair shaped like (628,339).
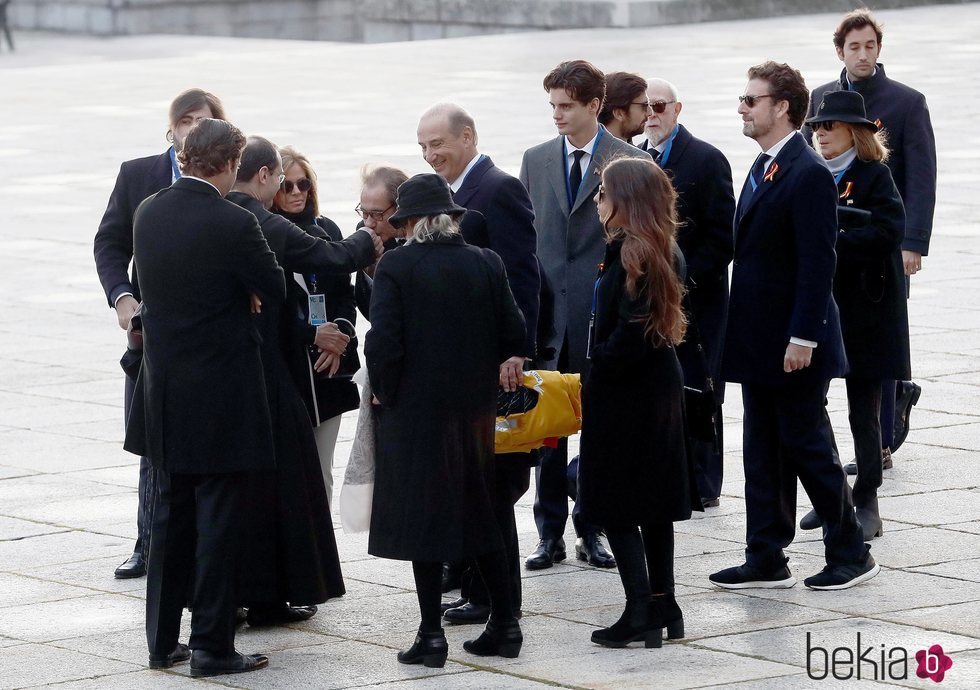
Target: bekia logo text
(874,662)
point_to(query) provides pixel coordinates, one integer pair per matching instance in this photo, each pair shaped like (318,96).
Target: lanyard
(173,164)
(568,167)
(670,142)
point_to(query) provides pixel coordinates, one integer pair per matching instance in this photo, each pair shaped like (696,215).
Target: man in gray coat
(561,176)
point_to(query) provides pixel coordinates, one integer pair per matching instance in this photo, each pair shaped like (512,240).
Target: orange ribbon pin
(773,169)
(847,190)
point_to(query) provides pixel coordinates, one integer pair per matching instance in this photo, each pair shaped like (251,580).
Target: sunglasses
(659,106)
(828,125)
(377,215)
(752,100)
(302,184)
(602,192)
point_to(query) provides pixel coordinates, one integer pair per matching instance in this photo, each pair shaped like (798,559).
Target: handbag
(700,408)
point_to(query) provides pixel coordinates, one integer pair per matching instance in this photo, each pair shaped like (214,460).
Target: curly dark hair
(858,19)
(209,147)
(785,84)
(582,80)
(622,89)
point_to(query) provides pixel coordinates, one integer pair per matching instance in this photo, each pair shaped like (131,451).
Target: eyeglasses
(660,106)
(302,184)
(377,215)
(282,176)
(602,192)
(828,125)
(642,104)
(751,100)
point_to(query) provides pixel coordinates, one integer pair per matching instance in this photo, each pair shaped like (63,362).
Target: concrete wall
(392,20)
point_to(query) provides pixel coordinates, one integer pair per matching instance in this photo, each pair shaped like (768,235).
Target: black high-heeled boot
(429,648)
(498,639)
(665,613)
(866,512)
(634,625)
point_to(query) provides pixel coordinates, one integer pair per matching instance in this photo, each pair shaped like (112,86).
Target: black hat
(427,194)
(843,106)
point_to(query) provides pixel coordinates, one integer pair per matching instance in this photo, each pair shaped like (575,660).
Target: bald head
(661,94)
(447,136)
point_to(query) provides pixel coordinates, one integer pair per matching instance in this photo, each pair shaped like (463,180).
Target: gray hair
(429,228)
(666,84)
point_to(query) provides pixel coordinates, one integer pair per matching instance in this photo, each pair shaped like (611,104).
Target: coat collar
(472,182)
(865,87)
(775,172)
(161,170)
(192,185)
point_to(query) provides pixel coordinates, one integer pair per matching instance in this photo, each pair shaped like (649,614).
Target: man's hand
(125,308)
(512,374)
(379,246)
(330,340)
(254,303)
(797,357)
(327,362)
(912,261)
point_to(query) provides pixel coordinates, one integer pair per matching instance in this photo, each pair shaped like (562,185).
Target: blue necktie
(759,170)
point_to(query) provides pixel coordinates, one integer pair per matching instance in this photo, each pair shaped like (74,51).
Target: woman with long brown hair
(635,473)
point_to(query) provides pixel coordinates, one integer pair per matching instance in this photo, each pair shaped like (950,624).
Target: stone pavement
(72,109)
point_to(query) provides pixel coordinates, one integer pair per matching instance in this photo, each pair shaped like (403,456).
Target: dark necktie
(656,159)
(575,174)
(759,170)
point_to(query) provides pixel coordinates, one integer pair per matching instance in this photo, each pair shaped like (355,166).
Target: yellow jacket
(558,413)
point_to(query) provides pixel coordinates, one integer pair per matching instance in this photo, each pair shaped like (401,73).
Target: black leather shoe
(906,396)
(498,639)
(810,521)
(455,603)
(590,549)
(851,468)
(135,566)
(429,648)
(468,613)
(710,502)
(259,616)
(180,654)
(241,616)
(549,552)
(204,663)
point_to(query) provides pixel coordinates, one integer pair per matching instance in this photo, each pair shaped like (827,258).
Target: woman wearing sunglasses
(635,473)
(329,392)
(869,286)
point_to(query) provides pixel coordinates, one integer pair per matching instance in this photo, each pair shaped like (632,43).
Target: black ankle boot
(634,625)
(866,512)
(665,613)
(429,648)
(498,639)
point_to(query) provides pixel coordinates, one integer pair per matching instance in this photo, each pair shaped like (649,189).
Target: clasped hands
(331,344)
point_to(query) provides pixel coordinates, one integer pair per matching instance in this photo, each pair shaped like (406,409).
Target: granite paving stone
(75,107)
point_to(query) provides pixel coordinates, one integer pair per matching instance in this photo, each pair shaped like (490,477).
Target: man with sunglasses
(137,180)
(624,112)
(903,114)
(702,178)
(561,176)
(783,344)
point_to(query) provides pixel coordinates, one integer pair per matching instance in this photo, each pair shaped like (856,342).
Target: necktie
(759,170)
(656,159)
(575,174)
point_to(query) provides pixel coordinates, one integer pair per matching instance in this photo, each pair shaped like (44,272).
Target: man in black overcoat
(903,114)
(447,135)
(200,411)
(702,178)
(783,343)
(138,179)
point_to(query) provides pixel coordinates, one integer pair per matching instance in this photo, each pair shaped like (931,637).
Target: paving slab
(38,664)
(59,620)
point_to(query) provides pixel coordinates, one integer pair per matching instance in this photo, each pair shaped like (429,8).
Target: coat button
(564,291)
(571,259)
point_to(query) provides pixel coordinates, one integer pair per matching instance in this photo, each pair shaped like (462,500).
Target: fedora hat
(843,106)
(427,194)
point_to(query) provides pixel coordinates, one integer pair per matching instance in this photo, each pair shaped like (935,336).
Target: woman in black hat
(869,286)
(443,319)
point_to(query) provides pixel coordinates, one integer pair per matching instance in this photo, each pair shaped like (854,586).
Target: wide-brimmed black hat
(427,194)
(843,106)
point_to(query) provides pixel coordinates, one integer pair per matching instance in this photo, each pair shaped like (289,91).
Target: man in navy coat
(783,343)
(137,180)
(902,113)
(448,138)
(702,178)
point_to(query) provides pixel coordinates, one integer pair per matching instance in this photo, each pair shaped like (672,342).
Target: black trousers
(709,464)
(512,472)
(197,536)
(556,481)
(428,586)
(147,489)
(863,405)
(788,435)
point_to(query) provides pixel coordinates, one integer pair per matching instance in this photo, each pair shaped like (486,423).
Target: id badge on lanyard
(318,310)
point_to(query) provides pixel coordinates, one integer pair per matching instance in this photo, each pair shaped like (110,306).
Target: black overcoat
(904,115)
(869,285)
(113,246)
(292,553)
(702,177)
(443,318)
(200,405)
(634,467)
